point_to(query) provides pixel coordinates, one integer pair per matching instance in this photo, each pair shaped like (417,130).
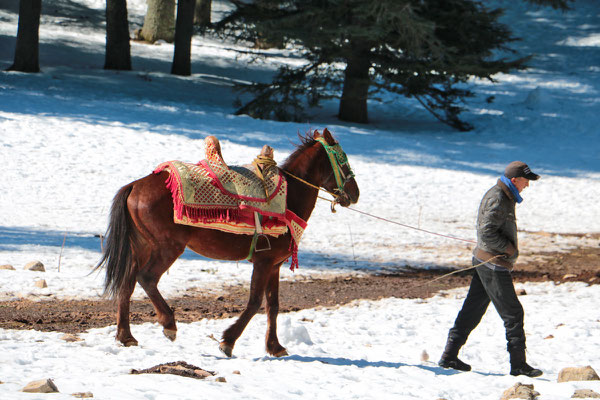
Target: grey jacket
(497,227)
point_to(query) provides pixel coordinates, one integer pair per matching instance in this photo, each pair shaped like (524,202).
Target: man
(496,252)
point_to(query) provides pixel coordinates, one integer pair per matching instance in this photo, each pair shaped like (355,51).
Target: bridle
(339,160)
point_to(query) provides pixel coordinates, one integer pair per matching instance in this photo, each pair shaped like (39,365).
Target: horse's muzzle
(345,200)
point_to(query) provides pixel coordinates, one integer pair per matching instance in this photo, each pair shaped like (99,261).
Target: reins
(313,186)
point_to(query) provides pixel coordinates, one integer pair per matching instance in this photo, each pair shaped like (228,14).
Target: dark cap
(518,169)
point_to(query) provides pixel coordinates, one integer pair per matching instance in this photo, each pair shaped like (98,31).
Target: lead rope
(453,272)
(333,202)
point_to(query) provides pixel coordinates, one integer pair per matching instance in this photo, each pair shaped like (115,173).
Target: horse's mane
(294,160)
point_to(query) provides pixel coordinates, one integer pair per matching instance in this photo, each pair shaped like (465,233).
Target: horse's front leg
(260,274)
(272,308)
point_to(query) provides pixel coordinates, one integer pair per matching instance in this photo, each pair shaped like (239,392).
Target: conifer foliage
(353,49)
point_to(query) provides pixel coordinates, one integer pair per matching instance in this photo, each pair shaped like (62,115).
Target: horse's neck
(301,198)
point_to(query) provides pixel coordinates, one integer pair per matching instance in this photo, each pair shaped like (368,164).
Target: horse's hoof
(128,342)
(170,334)
(281,353)
(226,349)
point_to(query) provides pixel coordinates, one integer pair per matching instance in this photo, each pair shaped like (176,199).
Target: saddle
(248,199)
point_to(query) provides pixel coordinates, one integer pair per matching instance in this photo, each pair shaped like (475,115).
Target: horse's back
(150,205)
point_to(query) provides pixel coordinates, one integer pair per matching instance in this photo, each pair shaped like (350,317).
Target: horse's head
(339,178)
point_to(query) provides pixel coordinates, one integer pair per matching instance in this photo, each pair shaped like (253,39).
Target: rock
(35,266)
(520,391)
(236,372)
(70,337)
(180,368)
(83,395)
(41,386)
(536,99)
(7,267)
(221,379)
(424,356)
(521,292)
(569,276)
(577,374)
(585,394)
(41,283)
(549,337)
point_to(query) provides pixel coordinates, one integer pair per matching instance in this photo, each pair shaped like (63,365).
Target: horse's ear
(328,137)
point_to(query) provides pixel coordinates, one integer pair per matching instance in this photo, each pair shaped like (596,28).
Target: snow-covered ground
(365,350)
(72,135)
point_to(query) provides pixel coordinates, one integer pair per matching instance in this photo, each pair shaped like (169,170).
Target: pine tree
(159,22)
(118,49)
(202,13)
(27,47)
(184,30)
(423,49)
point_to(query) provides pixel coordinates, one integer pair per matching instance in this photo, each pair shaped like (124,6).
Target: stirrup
(259,234)
(267,246)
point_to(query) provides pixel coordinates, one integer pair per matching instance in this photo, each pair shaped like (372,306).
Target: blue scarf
(512,188)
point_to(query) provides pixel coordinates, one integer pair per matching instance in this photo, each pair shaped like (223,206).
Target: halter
(338,159)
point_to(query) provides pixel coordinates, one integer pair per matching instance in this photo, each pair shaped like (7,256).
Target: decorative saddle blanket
(212,195)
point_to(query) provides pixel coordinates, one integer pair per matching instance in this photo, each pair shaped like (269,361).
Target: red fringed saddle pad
(212,195)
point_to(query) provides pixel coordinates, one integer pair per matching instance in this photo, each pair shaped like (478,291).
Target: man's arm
(491,220)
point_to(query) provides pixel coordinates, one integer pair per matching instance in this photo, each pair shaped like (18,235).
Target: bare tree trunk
(159,23)
(118,50)
(27,47)
(182,57)
(202,12)
(353,104)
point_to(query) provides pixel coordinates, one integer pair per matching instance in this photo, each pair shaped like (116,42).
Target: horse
(142,240)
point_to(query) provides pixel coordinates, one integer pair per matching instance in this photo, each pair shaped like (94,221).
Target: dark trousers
(495,286)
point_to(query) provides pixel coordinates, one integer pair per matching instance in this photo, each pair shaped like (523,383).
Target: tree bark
(159,23)
(202,13)
(353,104)
(27,47)
(184,29)
(118,50)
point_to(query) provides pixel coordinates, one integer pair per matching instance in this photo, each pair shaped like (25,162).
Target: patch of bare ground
(580,264)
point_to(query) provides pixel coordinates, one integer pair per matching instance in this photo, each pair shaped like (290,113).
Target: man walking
(496,252)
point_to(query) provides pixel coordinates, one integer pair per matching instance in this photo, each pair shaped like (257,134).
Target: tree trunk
(159,23)
(118,51)
(182,57)
(353,105)
(202,13)
(27,47)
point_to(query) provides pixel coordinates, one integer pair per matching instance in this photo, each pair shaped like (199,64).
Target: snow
(72,135)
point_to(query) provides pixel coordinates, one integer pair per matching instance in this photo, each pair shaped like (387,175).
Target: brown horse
(143,241)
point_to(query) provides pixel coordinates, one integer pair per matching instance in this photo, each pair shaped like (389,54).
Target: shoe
(454,364)
(527,370)
(519,366)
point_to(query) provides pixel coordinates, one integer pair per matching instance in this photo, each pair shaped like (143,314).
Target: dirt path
(581,264)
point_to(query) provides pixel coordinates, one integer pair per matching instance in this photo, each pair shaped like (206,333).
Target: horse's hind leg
(123,329)
(260,274)
(272,309)
(148,278)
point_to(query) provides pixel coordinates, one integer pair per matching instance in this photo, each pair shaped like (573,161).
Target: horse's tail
(118,245)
